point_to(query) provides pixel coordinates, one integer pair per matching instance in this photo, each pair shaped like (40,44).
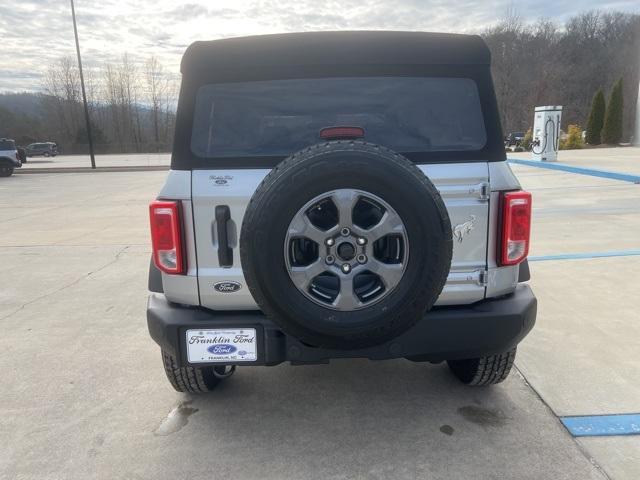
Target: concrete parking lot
(84,395)
(84,161)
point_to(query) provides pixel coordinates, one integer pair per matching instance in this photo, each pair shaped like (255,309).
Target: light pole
(636,134)
(84,94)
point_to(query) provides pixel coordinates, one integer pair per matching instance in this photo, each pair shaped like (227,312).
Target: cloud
(36,33)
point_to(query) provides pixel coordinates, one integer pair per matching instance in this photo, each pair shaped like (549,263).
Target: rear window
(7,145)
(277,117)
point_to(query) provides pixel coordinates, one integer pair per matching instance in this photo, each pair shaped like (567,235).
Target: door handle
(225,252)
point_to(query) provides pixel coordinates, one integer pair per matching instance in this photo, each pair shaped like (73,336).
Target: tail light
(516,227)
(166,236)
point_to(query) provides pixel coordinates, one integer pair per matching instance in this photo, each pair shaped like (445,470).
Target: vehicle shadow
(29,161)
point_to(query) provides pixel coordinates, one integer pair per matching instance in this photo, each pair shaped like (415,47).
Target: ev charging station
(546,133)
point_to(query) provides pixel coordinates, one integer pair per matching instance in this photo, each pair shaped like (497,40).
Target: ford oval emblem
(227,286)
(222,349)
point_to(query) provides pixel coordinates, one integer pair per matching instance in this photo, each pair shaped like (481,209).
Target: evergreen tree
(612,129)
(596,119)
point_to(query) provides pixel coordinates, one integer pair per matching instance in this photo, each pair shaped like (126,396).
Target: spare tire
(346,245)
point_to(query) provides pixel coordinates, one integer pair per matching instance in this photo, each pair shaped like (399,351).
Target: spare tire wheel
(345,245)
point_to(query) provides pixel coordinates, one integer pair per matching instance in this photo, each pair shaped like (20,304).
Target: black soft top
(334,54)
(337,48)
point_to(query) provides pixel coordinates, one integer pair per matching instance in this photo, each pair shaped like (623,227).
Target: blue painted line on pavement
(585,255)
(602,425)
(625,177)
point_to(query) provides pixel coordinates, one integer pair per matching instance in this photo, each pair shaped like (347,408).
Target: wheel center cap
(346,251)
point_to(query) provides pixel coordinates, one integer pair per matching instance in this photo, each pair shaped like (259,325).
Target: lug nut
(346,268)
(362,258)
(345,232)
(329,259)
(330,241)
(361,241)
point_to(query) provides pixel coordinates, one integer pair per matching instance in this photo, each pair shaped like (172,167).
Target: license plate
(222,345)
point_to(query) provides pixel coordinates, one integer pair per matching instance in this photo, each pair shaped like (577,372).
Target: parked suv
(9,159)
(338,195)
(45,149)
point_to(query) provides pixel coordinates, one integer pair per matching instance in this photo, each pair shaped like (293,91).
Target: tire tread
(188,379)
(482,371)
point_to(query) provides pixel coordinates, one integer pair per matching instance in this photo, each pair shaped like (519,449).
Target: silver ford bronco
(338,195)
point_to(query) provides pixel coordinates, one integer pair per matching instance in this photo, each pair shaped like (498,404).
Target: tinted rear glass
(7,145)
(278,117)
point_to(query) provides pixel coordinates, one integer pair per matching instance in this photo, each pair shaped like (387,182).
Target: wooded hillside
(132,104)
(544,64)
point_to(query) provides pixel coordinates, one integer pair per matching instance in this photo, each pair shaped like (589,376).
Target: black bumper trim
(10,162)
(524,274)
(485,328)
(155,278)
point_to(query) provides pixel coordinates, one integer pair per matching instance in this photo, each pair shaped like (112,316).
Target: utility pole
(84,94)
(636,134)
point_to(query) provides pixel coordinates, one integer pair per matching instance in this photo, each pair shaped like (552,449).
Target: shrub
(528,138)
(573,140)
(596,119)
(612,129)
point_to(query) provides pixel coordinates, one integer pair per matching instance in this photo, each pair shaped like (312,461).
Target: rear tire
(6,171)
(484,370)
(194,379)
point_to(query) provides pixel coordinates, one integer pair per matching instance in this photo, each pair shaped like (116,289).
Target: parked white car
(9,159)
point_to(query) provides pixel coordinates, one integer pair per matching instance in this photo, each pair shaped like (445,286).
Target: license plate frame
(221,345)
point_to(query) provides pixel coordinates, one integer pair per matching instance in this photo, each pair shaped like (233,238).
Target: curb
(138,168)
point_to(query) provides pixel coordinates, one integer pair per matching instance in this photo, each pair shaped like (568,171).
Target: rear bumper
(485,328)
(10,162)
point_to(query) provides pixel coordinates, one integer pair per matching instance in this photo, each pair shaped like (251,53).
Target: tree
(97,135)
(156,89)
(63,98)
(596,119)
(548,64)
(506,51)
(528,138)
(612,129)
(122,85)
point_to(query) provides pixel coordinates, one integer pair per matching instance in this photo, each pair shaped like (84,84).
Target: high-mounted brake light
(166,236)
(335,133)
(516,227)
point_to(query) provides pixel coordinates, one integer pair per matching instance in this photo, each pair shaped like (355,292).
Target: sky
(35,33)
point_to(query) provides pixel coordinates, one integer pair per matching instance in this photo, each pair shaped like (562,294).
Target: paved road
(84,394)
